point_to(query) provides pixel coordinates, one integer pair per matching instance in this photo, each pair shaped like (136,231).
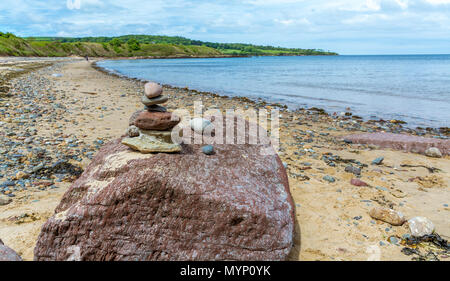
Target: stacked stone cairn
(150,129)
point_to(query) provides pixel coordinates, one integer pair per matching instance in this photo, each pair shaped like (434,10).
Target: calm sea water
(413,88)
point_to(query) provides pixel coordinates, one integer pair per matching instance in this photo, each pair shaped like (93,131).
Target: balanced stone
(159,121)
(134,116)
(151,144)
(156,108)
(153,90)
(162,135)
(133,131)
(158,100)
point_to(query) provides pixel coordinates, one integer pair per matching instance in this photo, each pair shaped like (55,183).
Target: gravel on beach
(52,125)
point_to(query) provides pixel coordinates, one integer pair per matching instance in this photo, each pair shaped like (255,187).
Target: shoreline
(75,114)
(441,132)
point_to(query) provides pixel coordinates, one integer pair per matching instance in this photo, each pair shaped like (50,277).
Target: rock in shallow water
(404,142)
(186,206)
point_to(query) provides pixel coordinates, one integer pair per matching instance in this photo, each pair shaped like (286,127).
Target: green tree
(116,42)
(133,44)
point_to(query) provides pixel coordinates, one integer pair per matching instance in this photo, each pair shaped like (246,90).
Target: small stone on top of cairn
(150,129)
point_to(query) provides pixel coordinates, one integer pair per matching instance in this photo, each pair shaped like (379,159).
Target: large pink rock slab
(233,205)
(403,142)
(8,254)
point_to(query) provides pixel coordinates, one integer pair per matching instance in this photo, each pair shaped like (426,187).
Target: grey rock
(199,125)
(208,149)
(353,170)
(4,200)
(156,108)
(433,152)
(329,178)
(133,131)
(158,100)
(378,161)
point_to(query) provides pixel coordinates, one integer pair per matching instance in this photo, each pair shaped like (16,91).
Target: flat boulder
(404,142)
(232,205)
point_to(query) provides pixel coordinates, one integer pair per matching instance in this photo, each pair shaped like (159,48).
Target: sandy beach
(71,115)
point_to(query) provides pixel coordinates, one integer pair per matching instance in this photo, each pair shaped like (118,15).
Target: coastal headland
(56,116)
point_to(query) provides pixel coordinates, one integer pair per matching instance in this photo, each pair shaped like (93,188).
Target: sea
(412,88)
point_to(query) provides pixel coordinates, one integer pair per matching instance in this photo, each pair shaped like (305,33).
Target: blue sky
(345,26)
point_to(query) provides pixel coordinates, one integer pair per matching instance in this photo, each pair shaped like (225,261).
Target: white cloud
(302,21)
(403,4)
(438,2)
(296,23)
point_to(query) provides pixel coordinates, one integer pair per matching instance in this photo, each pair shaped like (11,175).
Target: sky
(343,26)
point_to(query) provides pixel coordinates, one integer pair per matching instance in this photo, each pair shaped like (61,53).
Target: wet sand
(94,107)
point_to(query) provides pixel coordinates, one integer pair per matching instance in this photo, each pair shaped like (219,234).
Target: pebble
(200,125)
(353,170)
(378,161)
(329,178)
(420,226)
(208,149)
(433,152)
(133,131)
(387,215)
(406,236)
(4,200)
(358,182)
(393,240)
(381,188)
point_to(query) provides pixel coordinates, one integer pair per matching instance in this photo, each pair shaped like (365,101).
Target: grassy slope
(225,48)
(15,46)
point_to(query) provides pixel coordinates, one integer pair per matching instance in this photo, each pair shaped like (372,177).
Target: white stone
(433,152)
(4,200)
(420,226)
(200,125)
